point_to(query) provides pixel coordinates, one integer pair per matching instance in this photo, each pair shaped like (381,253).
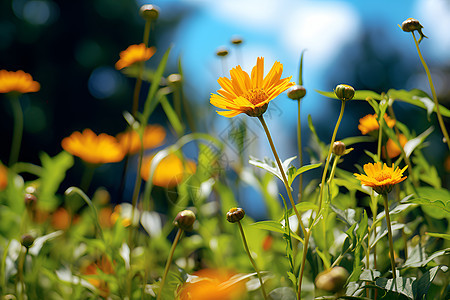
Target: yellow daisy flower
(250,95)
(133,54)
(369,123)
(169,172)
(381,178)
(19,81)
(154,136)
(92,148)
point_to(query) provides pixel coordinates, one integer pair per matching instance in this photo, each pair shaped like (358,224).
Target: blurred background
(70,47)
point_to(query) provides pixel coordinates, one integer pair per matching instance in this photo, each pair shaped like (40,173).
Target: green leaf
(439,199)
(401,285)
(172,115)
(362,226)
(439,235)
(359,95)
(53,173)
(413,143)
(357,139)
(284,293)
(420,287)
(418,98)
(369,275)
(270,166)
(274,226)
(294,172)
(418,258)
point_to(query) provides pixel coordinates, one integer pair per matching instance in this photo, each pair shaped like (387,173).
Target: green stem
(17,131)
(137,90)
(283,174)
(300,152)
(20,271)
(302,267)
(380,131)
(433,92)
(86,179)
(169,261)
(324,175)
(251,259)
(391,244)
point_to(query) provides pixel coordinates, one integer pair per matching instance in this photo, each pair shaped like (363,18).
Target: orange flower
(169,172)
(209,282)
(93,149)
(19,81)
(381,178)
(105,217)
(102,266)
(123,215)
(61,219)
(3,177)
(133,54)
(392,149)
(369,123)
(250,95)
(153,137)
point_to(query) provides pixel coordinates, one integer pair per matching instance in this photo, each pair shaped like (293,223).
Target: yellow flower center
(255,96)
(382,176)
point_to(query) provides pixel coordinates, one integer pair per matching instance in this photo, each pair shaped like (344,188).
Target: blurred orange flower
(3,177)
(250,95)
(61,219)
(120,214)
(169,172)
(369,123)
(133,54)
(103,265)
(154,136)
(212,284)
(381,177)
(392,149)
(93,149)
(19,81)
(105,217)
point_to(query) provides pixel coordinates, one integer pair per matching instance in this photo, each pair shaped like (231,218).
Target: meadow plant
(330,240)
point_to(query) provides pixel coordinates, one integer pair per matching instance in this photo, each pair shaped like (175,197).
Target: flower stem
(169,261)
(302,267)
(283,174)
(300,152)
(17,131)
(244,241)
(391,244)
(324,175)
(433,92)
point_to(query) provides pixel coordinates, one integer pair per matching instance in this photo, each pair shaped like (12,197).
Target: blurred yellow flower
(19,81)
(214,284)
(120,214)
(133,54)
(250,95)
(93,272)
(392,149)
(154,136)
(93,149)
(3,177)
(369,123)
(381,177)
(169,172)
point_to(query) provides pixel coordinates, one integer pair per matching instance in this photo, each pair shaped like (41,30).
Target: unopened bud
(338,148)
(30,200)
(411,24)
(149,12)
(332,280)
(222,52)
(236,40)
(344,92)
(185,220)
(296,92)
(235,214)
(27,240)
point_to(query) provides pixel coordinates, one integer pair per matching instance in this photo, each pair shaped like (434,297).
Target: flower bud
(27,240)
(296,92)
(149,12)
(332,280)
(30,200)
(344,92)
(222,52)
(185,220)
(236,40)
(338,148)
(411,24)
(235,214)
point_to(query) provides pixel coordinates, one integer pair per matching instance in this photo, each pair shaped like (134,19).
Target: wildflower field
(170,221)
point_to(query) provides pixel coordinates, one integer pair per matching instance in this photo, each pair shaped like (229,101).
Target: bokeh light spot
(103,82)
